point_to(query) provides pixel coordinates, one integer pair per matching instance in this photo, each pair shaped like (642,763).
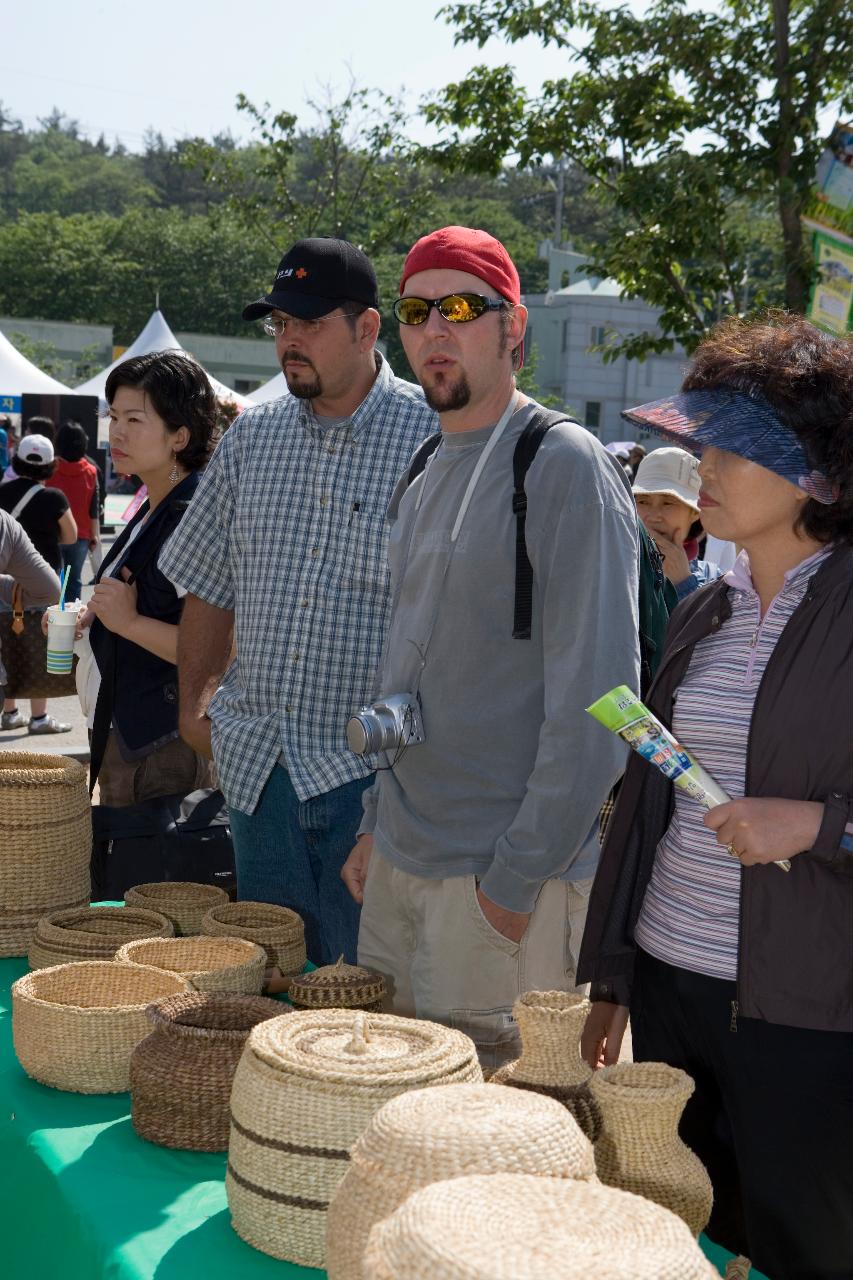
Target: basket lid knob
(360,1035)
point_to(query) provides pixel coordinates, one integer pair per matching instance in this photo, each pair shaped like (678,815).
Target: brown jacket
(795,960)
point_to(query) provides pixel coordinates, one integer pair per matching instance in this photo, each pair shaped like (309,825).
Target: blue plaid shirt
(288,528)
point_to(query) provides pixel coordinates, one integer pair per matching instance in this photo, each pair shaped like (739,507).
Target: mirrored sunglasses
(458,308)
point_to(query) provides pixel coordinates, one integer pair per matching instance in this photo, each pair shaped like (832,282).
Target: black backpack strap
(422,456)
(526,448)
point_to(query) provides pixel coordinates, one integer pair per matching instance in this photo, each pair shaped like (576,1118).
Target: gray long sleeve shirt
(509,781)
(20,563)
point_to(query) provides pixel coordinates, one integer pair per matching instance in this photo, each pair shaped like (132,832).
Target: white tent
(270,390)
(19,376)
(156,336)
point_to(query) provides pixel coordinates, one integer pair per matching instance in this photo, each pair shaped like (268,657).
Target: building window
(597,335)
(528,336)
(592,415)
(564,337)
(245,385)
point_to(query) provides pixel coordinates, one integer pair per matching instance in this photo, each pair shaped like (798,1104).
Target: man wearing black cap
(283,551)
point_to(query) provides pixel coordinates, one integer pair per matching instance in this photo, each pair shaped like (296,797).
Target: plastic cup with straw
(61,630)
(622,712)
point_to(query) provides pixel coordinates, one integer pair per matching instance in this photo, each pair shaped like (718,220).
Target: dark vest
(144,688)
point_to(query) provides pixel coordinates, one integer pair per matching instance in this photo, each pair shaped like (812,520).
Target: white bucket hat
(672,471)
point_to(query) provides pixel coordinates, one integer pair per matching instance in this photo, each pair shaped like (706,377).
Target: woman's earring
(174,474)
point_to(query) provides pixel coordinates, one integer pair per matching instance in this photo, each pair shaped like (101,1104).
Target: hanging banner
(831,305)
(830,203)
(10,404)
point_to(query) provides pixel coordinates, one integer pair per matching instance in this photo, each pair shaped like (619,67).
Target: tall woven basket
(210,964)
(75,1026)
(512,1226)
(45,842)
(278,930)
(305,1089)
(92,933)
(184,902)
(181,1074)
(431,1134)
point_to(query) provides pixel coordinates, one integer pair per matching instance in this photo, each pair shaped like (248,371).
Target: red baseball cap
(465,249)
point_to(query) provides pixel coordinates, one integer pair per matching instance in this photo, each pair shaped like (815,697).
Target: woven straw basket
(512,1225)
(639,1148)
(76,1025)
(278,930)
(181,1074)
(338,986)
(182,901)
(210,964)
(305,1089)
(431,1134)
(550,1023)
(45,842)
(92,933)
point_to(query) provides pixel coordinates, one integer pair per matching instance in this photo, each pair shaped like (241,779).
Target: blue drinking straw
(63,584)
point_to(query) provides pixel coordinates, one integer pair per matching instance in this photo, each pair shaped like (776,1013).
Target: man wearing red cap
(478,843)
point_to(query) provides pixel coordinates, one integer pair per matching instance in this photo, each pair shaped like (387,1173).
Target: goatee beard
(301,389)
(448,396)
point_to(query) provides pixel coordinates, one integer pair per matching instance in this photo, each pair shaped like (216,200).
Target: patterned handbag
(23,648)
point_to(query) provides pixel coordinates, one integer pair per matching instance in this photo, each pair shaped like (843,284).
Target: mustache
(290,354)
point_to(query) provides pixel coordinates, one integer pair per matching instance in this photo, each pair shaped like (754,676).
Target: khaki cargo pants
(444,961)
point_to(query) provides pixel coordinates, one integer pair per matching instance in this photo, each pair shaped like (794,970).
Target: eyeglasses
(458,308)
(278,325)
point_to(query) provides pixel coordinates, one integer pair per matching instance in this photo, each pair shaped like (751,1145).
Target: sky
(178,66)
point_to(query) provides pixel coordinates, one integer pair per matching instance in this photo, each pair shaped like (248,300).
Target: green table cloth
(85,1198)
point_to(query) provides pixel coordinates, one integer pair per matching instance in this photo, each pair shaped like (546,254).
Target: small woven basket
(278,930)
(511,1225)
(76,1025)
(305,1089)
(428,1135)
(92,933)
(181,901)
(181,1074)
(45,842)
(210,964)
(338,986)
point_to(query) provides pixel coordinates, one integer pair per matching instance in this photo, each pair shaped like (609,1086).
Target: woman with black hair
(733,969)
(77,478)
(44,515)
(162,428)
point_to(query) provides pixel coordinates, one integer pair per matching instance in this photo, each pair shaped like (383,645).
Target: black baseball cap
(315,277)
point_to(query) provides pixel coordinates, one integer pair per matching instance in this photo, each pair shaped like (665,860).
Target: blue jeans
(291,852)
(75,556)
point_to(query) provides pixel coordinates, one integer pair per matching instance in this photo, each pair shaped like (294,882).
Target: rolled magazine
(622,712)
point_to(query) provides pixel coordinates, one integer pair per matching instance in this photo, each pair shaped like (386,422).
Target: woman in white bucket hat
(666,489)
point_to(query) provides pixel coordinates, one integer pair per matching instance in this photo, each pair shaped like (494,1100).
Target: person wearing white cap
(45,516)
(666,489)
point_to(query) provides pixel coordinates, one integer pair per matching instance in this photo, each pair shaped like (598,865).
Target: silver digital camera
(389,724)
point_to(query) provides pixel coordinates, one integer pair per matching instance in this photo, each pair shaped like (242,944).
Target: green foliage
(42,354)
(680,118)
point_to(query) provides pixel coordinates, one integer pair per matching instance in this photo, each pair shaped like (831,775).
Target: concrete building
(78,349)
(577,314)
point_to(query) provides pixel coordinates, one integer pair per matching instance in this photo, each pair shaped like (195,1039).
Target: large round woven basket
(76,1025)
(338,986)
(182,901)
(305,1089)
(431,1134)
(45,842)
(210,964)
(181,1074)
(511,1225)
(278,930)
(92,933)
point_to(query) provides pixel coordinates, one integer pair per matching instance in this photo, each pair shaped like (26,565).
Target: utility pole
(558,202)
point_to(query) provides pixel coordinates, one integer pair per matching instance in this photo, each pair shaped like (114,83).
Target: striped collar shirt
(691,910)
(288,529)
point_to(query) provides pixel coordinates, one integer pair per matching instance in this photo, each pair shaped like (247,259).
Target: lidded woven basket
(512,1225)
(45,842)
(338,986)
(305,1089)
(639,1148)
(210,964)
(182,901)
(550,1024)
(181,1074)
(92,933)
(428,1135)
(76,1025)
(278,930)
